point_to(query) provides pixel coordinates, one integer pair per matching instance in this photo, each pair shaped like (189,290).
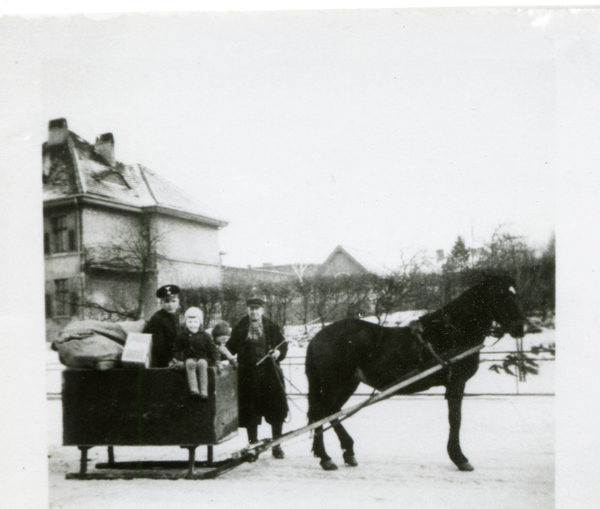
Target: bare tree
(110,313)
(389,292)
(279,296)
(300,270)
(302,287)
(327,294)
(133,249)
(357,291)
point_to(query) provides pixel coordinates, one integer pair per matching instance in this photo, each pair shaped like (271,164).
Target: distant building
(342,260)
(297,270)
(350,261)
(114,233)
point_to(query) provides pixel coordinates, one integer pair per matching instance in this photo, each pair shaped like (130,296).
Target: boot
(278,452)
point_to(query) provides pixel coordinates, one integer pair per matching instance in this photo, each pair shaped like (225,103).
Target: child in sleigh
(194,350)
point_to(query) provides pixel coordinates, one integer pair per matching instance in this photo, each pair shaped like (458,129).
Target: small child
(194,350)
(220,334)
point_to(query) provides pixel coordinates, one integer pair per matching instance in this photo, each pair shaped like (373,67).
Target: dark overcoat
(261,389)
(164,327)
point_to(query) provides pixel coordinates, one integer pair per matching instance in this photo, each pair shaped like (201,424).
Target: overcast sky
(386,131)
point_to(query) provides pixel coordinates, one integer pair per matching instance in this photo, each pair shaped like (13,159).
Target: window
(61,238)
(61,301)
(59,231)
(72,242)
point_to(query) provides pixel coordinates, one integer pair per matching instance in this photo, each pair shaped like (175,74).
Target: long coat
(164,327)
(261,389)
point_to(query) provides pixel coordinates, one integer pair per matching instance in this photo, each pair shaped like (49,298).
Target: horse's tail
(314,386)
(314,391)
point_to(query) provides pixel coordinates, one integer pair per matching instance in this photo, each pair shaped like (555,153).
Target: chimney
(57,136)
(105,147)
(57,131)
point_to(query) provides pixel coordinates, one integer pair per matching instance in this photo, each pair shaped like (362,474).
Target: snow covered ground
(400,446)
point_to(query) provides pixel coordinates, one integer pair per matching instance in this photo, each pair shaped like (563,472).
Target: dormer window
(112,177)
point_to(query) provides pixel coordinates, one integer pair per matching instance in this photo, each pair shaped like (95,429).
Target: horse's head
(503,304)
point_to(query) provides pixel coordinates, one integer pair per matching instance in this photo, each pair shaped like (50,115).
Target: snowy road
(400,446)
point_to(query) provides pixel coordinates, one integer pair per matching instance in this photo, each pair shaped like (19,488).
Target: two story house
(114,233)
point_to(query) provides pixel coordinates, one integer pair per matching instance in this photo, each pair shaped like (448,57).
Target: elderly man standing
(261,388)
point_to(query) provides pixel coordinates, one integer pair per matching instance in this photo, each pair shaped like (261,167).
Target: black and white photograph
(267,257)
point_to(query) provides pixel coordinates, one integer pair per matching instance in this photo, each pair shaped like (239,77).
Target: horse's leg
(319,451)
(346,442)
(319,409)
(454,450)
(336,398)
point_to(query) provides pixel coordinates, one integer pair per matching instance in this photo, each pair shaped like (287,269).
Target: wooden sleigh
(147,407)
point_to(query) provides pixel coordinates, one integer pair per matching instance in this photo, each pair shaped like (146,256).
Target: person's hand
(234,363)
(275,354)
(219,367)
(175,364)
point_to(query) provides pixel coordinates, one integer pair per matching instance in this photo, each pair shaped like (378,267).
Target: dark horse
(347,352)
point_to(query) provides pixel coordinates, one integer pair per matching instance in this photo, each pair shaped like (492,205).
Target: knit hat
(194,313)
(221,329)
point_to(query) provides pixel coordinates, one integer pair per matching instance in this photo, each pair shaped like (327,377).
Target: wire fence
(297,384)
(293,370)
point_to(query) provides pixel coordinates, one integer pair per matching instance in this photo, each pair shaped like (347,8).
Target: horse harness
(416,327)
(417,330)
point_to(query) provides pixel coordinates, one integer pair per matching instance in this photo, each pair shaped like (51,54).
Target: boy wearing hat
(163,325)
(194,349)
(261,389)
(220,334)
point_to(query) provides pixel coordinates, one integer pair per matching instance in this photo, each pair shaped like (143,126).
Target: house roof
(364,258)
(74,168)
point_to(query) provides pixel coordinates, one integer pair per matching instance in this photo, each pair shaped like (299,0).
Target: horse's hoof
(328,465)
(465,467)
(350,460)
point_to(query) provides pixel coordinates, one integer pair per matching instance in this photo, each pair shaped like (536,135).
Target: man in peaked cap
(261,389)
(164,325)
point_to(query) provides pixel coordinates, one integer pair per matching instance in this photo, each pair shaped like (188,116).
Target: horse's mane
(470,301)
